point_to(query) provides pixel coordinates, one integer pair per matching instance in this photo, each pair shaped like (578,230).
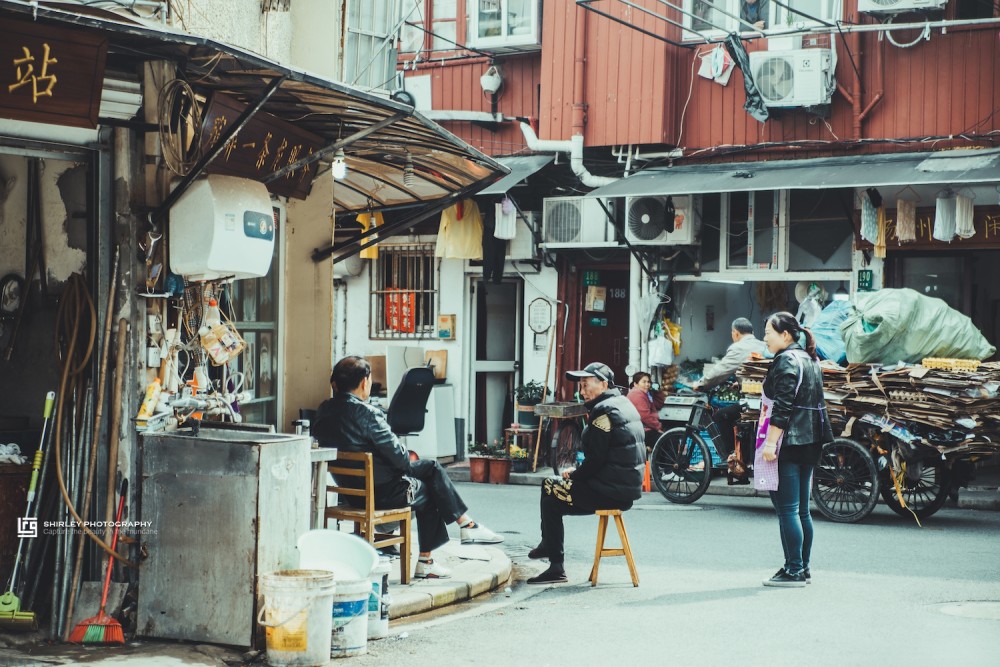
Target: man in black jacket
(610,476)
(351,424)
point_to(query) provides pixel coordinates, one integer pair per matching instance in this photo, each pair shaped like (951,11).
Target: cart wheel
(566,439)
(925,496)
(845,483)
(681,466)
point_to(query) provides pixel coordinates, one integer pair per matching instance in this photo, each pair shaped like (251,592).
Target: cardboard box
(378,369)
(438,361)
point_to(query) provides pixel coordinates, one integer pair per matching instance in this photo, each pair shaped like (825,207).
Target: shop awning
(952,167)
(521,167)
(379,137)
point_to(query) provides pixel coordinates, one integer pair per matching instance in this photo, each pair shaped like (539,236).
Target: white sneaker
(480,534)
(670,477)
(431,570)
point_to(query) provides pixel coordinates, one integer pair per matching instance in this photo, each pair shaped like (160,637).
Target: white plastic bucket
(298,615)
(378,601)
(350,618)
(349,557)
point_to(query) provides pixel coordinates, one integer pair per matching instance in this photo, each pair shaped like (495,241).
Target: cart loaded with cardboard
(915,410)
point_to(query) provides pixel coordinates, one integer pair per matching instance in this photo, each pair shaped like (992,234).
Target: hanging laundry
(880,235)
(506,219)
(494,249)
(964,227)
(367,220)
(944,217)
(906,221)
(869,220)
(461,232)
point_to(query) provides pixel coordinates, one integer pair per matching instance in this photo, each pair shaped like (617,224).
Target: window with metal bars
(404,292)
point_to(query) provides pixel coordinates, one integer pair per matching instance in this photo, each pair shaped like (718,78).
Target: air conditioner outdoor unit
(662,220)
(575,222)
(793,78)
(900,6)
(522,246)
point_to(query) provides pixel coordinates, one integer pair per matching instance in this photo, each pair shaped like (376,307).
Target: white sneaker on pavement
(431,570)
(479,534)
(670,477)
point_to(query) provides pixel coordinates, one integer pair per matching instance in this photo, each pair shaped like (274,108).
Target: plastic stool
(626,550)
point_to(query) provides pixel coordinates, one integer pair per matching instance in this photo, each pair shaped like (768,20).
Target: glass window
(765,227)
(739,209)
(369,52)
(501,23)
(820,230)
(806,12)
(404,292)
(412,36)
(253,307)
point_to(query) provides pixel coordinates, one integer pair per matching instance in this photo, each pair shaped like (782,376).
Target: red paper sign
(399,311)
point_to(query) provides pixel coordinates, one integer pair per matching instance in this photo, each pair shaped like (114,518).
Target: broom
(103,629)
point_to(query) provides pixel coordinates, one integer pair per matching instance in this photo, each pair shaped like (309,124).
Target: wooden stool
(602,530)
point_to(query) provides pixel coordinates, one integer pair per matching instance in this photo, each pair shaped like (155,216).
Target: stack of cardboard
(940,400)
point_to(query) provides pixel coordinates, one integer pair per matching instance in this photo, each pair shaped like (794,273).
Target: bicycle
(681,462)
(562,429)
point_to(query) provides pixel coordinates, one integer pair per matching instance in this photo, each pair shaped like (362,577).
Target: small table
(319,457)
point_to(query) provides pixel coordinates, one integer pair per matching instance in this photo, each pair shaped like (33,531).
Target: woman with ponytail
(798,429)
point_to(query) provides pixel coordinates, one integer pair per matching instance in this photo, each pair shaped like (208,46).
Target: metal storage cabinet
(226,507)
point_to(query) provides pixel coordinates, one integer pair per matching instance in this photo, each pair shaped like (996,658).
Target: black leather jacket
(801,415)
(351,425)
(614,448)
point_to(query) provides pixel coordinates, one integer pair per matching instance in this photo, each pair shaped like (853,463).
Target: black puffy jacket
(801,415)
(351,425)
(614,448)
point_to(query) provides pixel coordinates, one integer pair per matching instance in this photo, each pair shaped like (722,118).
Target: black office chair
(409,402)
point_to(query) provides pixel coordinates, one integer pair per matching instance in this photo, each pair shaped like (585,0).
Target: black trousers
(565,497)
(726,419)
(433,498)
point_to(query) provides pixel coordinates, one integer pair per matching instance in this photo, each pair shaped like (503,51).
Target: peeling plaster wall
(13,191)
(241,23)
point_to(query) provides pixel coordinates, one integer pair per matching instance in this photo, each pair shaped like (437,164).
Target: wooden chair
(366,520)
(626,550)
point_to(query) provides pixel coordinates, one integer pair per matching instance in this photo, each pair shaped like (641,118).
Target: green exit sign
(591,278)
(865,280)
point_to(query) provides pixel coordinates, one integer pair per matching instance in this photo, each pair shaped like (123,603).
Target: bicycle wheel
(681,466)
(925,496)
(845,483)
(566,439)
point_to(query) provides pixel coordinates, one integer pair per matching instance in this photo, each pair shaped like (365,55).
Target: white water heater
(222,227)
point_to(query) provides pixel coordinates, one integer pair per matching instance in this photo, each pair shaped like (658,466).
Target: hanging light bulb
(409,177)
(841,293)
(339,165)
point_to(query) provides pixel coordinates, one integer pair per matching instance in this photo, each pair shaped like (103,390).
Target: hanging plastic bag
(506,220)
(661,352)
(672,331)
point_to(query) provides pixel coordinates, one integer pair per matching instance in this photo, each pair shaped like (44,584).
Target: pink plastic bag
(765,473)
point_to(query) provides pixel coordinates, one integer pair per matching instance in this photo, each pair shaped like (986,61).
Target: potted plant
(499,464)
(479,469)
(519,459)
(526,397)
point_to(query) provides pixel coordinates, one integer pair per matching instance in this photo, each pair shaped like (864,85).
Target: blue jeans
(791,501)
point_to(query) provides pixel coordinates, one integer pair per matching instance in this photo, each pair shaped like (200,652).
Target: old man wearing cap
(610,476)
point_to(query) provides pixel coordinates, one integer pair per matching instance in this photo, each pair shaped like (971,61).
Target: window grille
(404,293)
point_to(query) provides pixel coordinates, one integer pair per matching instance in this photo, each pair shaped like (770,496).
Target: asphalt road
(884,592)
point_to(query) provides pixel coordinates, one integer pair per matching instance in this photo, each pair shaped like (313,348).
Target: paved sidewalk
(476,569)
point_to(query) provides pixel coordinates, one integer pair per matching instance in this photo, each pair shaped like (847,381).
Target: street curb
(470,577)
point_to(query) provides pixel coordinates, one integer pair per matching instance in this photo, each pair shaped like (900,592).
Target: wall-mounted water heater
(222,227)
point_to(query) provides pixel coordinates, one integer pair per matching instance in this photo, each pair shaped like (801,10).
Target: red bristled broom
(103,629)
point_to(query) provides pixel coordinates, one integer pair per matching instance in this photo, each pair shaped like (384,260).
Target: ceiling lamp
(339,165)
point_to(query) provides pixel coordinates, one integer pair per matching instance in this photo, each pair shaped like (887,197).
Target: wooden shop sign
(50,75)
(264,145)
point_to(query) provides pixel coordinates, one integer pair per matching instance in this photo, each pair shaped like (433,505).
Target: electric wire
(179,158)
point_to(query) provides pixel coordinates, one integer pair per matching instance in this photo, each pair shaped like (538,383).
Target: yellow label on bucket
(291,636)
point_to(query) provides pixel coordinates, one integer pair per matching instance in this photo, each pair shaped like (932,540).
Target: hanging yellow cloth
(365,220)
(461,232)
(880,237)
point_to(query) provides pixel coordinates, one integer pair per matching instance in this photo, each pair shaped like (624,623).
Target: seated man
(610,476)
(349,423)
(744,346)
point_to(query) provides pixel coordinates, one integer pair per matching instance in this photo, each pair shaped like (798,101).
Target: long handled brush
(103,629)
(11,615)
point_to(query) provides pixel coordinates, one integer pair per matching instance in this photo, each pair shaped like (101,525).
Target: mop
(103,629)
(11,616)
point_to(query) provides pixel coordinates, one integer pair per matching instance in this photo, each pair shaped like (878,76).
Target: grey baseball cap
(594,370)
